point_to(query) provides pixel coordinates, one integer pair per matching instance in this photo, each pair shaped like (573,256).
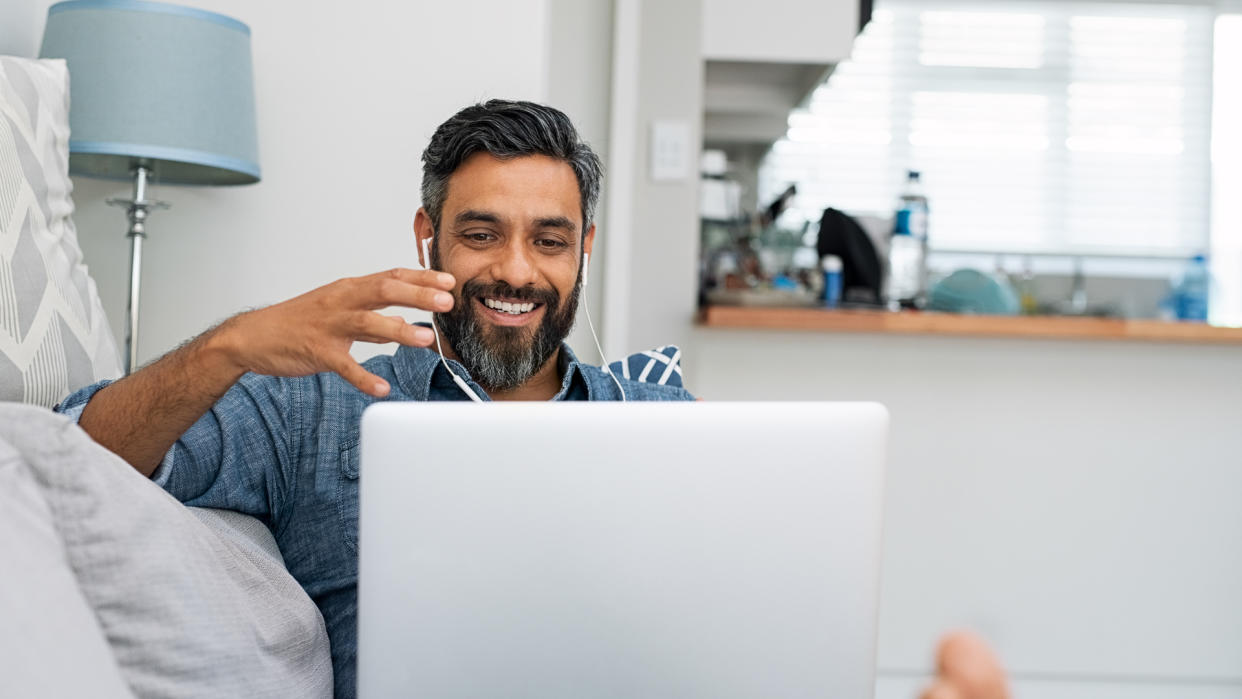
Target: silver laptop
(620,550)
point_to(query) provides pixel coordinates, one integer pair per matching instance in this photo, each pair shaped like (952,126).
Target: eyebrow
(478,216)
(556,222)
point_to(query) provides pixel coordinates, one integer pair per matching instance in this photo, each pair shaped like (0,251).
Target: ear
(422,231)
(588,240)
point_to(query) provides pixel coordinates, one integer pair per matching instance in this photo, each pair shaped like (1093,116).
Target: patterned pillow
(661,365)
(54,337)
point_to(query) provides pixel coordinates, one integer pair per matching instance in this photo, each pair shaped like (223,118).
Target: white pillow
(50,641)
(54,337)
(189,609)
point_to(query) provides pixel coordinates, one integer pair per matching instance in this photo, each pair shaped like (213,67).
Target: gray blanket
(111,586)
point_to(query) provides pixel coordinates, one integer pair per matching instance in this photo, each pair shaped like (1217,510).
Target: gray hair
(507,129)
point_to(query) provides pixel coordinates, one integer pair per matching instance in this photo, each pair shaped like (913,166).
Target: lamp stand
(137,209)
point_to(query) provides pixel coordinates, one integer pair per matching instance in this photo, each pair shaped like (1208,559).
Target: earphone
(586,306)
(465,387)
(461,383)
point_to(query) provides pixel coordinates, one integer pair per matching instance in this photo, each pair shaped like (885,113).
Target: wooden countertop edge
(862,321)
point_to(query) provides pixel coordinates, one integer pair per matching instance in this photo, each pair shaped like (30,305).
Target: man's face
(510,232)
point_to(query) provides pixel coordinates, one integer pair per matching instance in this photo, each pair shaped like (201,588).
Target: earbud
(586,307)
(461,383)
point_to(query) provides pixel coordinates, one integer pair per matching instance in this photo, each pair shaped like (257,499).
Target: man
(261,414)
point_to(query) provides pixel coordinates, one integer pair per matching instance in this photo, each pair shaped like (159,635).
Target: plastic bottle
(912,207)
(907,256)
(1027,300)
(833,273)
(1191,294)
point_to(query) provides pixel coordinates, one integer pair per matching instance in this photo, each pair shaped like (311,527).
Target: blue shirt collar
(421,375)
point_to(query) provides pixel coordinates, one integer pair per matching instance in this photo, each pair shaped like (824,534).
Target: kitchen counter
(916,322)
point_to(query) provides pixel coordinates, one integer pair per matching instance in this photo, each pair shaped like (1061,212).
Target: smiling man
(261,414)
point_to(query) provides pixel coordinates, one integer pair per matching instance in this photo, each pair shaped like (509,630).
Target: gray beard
(502,358)
(499,368)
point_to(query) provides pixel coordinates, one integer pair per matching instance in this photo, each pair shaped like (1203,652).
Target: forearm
(142,415)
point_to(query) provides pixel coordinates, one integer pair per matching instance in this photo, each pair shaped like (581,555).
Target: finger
(420,277)
(373,327)
(965,659)
(941,690)
(382,291)
(361,379)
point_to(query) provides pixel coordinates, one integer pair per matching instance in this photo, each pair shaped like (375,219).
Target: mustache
(501,289)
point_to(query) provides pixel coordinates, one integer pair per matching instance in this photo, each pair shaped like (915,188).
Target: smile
(509,307)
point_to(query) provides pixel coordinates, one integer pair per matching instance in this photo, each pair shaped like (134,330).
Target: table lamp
(158,93)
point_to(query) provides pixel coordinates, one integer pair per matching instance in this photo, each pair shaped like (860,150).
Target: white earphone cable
(586,306)
(461,383)
(607,369)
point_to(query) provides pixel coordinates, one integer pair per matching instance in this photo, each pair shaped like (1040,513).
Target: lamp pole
(137,208)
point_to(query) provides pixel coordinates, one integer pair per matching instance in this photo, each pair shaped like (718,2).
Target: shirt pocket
(347,495)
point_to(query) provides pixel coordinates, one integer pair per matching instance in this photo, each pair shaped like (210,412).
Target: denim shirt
(285,450)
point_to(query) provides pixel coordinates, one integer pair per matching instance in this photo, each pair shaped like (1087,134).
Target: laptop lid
(620,550)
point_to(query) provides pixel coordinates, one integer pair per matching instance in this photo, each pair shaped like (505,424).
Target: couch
(111,588)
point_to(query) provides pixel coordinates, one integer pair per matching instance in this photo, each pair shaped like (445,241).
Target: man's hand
(313,332)
(142,415)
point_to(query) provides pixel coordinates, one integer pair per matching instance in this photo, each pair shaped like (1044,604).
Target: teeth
(510,308)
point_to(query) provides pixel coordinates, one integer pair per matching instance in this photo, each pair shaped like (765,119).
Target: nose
(515,265)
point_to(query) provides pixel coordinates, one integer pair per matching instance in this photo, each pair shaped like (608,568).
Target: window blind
(1044,127)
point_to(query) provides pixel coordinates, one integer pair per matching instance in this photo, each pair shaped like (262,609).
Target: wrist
(220,351)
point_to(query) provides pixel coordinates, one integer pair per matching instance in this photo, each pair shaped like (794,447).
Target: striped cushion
(661,365)
(54,337)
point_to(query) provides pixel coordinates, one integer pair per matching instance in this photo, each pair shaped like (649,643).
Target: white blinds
(1049,126)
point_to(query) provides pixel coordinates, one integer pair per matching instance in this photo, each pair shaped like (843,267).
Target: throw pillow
(189,610)
(54,337)
(50,641)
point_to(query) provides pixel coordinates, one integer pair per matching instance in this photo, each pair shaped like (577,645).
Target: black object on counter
(862,276)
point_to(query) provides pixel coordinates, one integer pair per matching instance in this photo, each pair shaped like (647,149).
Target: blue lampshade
(166,84)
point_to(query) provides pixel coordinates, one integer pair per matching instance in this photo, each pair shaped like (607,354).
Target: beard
(501,358)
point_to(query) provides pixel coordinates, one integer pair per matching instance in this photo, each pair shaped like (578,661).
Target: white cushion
(50,642)
(54,337)
(189,609)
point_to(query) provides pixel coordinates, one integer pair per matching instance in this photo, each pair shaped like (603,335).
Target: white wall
(654,303)
(1076,502)
(347,95)
(21,25)
(793,31)
(579,83)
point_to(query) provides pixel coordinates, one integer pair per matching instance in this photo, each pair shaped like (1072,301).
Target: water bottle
(1191,294)
(833,279)
(907,254)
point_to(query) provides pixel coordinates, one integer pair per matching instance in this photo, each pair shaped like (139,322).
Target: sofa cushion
(54,337)
(51,645)
(189,609)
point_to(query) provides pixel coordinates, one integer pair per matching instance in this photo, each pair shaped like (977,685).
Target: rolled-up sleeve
(237,456)
(76,402)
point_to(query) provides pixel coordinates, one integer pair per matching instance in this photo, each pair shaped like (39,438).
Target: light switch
(670,150)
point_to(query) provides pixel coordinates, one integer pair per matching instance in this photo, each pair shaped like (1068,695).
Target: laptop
(620,550)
